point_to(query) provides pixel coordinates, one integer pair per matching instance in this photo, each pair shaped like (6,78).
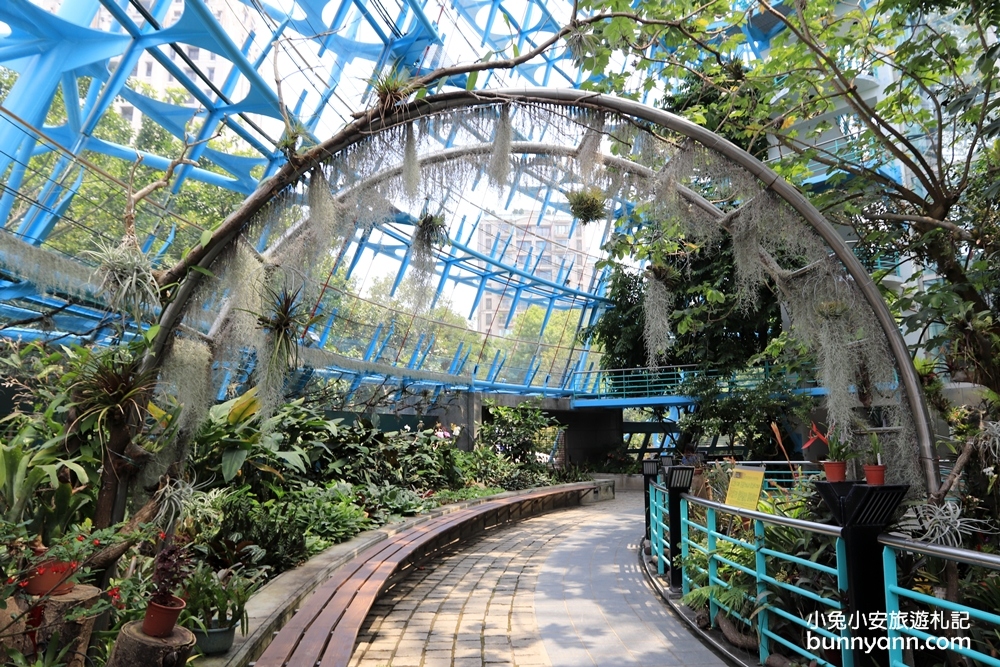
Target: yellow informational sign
(744,487)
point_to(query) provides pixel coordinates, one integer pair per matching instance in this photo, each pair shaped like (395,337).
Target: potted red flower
(170,569)
(54,570)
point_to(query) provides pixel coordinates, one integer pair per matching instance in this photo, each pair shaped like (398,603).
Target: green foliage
(448,496)
(905,80)
(50,656)
(709,330)
(259,534)
(488,467)
(218,599)
(744,413)
(384,502)
(587,205)
(514,431)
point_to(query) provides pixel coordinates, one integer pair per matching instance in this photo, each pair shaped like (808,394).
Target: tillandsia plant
(430,232)
(284,321)
(391,86)
(587,205)
(127,279)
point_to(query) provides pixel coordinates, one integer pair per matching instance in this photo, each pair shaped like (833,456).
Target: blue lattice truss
(80,60)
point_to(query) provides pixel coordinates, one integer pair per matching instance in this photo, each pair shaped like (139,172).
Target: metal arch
(469,99)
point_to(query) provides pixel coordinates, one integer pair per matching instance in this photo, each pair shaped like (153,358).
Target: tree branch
(961,233)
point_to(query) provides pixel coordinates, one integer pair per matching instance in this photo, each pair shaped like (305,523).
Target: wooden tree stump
(71,633)
(16,635)
(132,648)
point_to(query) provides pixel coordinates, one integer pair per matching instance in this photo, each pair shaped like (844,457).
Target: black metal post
(649,469)
(863,511)
(678,481)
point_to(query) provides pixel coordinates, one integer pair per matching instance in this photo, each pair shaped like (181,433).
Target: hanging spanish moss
(657,308)
(49,272)
(589,155)
(411,165)
(186,375)
(503,137)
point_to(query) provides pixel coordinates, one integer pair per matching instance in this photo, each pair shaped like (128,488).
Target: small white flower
(989,470)
(406,427)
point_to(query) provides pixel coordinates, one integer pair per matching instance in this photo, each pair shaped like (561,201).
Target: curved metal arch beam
(447,155)
(373,122)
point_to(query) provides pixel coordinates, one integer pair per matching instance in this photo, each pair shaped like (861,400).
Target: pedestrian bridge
(668,385)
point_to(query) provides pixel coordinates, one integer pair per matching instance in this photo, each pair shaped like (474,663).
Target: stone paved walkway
(560,590)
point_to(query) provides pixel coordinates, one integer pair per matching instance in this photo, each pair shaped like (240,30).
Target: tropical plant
(587,205)
(840,449)
(874,449)
(514,431)
(382,502)
(51,656)
(218,598)
(172,565)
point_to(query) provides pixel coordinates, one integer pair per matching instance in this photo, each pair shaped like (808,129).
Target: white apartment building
(557,250)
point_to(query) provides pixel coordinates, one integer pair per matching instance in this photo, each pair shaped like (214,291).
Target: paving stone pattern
(562,589)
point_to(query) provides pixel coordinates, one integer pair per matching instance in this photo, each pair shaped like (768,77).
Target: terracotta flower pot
(50,578)
(875,475)
(160,619)
(836,471)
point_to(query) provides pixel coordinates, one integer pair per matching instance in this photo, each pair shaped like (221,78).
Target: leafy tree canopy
(893,104)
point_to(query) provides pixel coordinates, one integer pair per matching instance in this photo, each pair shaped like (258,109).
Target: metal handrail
(967,556)
(822,528)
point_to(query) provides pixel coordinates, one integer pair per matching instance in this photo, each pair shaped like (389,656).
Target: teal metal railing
(718,548)
(723,551)
(661,380)
(898,625)
(659,526)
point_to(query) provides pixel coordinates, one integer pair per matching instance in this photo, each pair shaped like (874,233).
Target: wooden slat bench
(325,628)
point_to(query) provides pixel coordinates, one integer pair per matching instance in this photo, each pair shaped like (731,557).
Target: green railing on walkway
(714,554)
(715,543)
(900,624)
(659,381)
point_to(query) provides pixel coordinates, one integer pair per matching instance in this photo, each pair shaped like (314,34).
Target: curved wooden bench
(325,628)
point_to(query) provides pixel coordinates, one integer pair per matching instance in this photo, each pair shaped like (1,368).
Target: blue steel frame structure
(78,59)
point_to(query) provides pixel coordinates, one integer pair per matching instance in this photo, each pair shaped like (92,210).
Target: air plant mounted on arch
(430,231)
(283,322)
(391,86)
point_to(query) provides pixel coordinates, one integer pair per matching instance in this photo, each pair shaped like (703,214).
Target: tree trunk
(71,633)
(114,471)
(135,648)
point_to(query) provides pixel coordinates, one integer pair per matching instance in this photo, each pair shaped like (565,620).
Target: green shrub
(383,502)
(468,493)
(259,534)
(515,432)
(328,513)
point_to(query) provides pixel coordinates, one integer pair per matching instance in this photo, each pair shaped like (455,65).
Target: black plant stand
(863,512)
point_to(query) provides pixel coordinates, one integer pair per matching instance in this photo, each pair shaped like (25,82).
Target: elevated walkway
(664,385)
